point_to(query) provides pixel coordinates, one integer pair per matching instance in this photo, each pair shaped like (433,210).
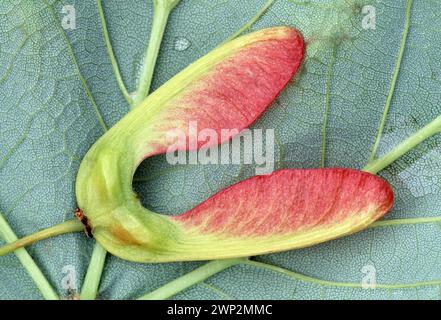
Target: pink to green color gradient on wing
(235,91)
(229,88)
(291,200)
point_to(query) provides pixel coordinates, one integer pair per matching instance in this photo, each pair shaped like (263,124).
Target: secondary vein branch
(77,67)
(111,54)
(404,221)
(301,277)
(424,133)
(250,22)
(327,104)
(393,82)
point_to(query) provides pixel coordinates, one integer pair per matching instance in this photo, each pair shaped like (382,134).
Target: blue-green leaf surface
(58,94)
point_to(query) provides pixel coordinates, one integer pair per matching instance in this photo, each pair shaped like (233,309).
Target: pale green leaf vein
(93,274)
(211,268)
(406,221)
(394,81)
(28,263)
(111,54)
(217,291)
(329,76)
(301,277)
(77,69)
(186,281)
(250,22)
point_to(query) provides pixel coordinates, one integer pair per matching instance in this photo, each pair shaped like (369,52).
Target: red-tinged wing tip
(292,200)
(233,91)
